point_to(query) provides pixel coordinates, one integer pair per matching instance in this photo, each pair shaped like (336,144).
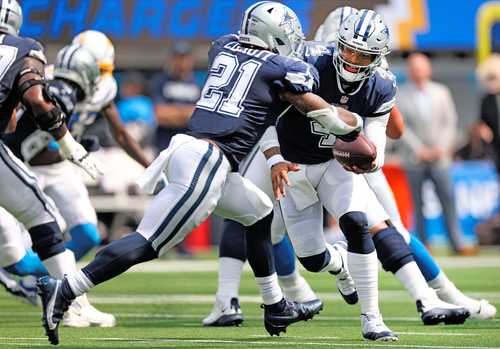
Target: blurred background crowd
(443,170)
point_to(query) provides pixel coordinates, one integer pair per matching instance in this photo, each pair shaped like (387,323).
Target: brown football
(361,152)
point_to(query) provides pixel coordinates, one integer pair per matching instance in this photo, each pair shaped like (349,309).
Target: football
(360,152)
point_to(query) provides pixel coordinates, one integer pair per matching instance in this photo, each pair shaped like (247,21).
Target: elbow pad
(329,119)
(50,120)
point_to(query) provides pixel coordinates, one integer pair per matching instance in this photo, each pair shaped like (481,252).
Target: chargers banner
(414,24)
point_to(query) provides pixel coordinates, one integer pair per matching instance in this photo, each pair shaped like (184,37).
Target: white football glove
(76,153)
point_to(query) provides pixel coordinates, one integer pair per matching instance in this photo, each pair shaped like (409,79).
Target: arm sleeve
(269,139)
(375,131)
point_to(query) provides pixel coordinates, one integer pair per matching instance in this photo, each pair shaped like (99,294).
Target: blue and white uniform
(237,105)
(17,180)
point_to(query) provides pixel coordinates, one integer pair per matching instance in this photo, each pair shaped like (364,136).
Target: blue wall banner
(476,197)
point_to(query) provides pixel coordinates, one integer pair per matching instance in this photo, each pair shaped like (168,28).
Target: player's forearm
(132,148)
(396,125)
(173,115)
(375,130)
(336,120)
(122,137)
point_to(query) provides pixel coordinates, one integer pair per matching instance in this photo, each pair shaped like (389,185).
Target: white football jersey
(105,93)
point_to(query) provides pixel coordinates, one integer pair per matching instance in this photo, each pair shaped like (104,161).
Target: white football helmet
(77,64)
(273,26)
(100,46)
(364,36)
(11,17)
(328,31)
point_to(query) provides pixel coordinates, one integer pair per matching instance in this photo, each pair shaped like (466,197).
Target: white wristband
(275,159)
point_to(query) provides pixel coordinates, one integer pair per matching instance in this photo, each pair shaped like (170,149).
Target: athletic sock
(76,285)
(229,277)
(448,292)
(412,279)
(364,271)
(61,264)
(269,289)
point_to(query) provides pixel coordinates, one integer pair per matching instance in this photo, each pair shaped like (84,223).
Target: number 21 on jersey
(228,84)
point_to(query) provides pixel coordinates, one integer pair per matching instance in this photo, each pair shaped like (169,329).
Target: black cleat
(448,314)
(276,322)
(312,307)
(21,289)
(54,306)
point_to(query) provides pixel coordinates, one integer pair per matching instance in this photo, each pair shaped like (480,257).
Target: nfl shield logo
(344,99)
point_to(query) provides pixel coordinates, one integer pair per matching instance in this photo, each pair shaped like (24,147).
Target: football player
(435,277)
(238,102)
(59,179)
(22,76)
(75,77)
(431,309)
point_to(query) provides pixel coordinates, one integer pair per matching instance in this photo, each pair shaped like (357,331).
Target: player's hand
(76,153)
(279,177)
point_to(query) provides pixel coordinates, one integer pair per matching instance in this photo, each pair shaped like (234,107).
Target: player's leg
(435,277)
(344,195)
(293,284)
(64,185)
(196,171)
(232,257)
(244,202)
(35,211)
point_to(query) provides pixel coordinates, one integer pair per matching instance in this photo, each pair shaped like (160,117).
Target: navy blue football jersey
(305,141)
(13,50)
(240,97)
(28,140)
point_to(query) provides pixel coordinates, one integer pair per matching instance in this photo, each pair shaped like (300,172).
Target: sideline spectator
(175,94)
(489,123)
(134,106)
(428,142)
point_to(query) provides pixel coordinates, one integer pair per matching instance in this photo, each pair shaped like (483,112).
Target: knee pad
(84,237)
(30,264)
(392,250)
(315,263)
(354,225)
(233,243)
(47,240)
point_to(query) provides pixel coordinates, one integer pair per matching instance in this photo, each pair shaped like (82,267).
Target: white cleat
(226,312)
(479,309)
(83,314)
(374,329)
(345,283)
(300,292)
(483,310)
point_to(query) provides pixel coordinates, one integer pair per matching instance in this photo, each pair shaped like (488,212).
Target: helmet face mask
(362,43)
(11,17)
(272,26)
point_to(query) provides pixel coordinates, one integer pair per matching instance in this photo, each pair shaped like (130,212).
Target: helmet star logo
(287,21)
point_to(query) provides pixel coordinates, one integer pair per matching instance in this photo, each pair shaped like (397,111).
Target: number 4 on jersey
(221,76)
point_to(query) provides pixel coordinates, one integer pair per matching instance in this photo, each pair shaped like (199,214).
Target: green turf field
(164,310)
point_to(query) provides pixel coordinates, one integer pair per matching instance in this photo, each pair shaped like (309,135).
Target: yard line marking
(281,343)
(386,296)
(183,266)
(459,334)
(249,317)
